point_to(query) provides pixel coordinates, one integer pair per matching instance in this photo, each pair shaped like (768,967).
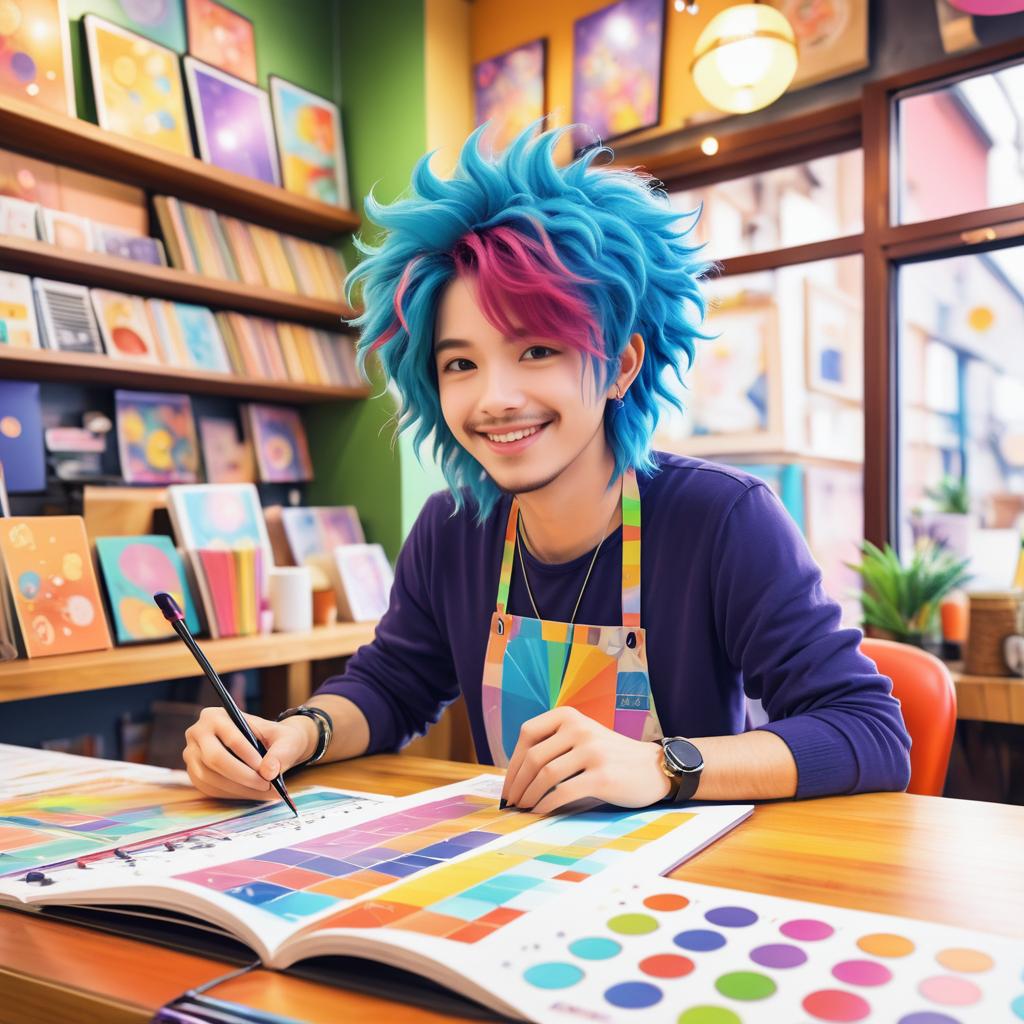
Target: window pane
(961,148)
(808,202)
(961,406)
(780,393)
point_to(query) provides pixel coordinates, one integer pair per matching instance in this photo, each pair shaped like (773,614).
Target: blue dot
(699,940)
(552,975)
(633,995)
(166,120)
(29,583)
(594,948)
(1018,1006)
(162,84)
(731,917)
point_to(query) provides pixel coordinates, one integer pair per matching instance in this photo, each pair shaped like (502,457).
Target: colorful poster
(156,437)
(226,458)
(339,524)
(125,326)
(233,123)
(21,436)
(18,327)
(163,21)
(138,88)
(222,37)
(366,577)
(309,143)
(201,337)
(508,91)
(218,516)
(56,597)
(134,569)
(35,55)
(617,70)
(279,440)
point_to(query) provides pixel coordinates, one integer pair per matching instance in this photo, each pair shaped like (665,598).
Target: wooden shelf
(98,270)
(81,144)
(988,698)
(150,663)
(84,367)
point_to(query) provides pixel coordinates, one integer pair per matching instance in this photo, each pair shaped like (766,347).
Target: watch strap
(324,730)
(683,783)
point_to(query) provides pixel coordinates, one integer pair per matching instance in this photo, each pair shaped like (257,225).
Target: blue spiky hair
(608,241)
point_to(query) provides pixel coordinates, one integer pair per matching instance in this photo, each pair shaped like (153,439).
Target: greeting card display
(18,327)
(279,440)
(36,64)
(125,326)
(21,436)
(156,437)
(222,37)
(66,316)
(227,459)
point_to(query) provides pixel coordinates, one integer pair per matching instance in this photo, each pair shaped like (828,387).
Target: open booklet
(442,883)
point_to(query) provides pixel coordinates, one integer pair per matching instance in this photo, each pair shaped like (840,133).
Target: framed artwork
(18,217)
(56,596)
(509,91)
(115,241)
(35,39)
(616,70)
(65,230)
(222,37)
(833,342)
(733,395)
(163,21)
(233,122)
(18,327)
(125,326)
(309,143)
(364,579)
(21,436)
(339,525)
(66,316)
(832,37)
(133,570)
(156,437)
(279,440)
(137,85)
(227,459)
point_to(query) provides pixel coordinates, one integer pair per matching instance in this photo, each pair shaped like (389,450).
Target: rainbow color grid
(683,953)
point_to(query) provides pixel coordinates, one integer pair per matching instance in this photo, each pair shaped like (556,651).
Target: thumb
(283,750)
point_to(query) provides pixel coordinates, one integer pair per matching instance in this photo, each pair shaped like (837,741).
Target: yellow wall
(449,87)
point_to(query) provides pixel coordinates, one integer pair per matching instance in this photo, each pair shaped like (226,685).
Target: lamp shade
(745,58)
(988,6)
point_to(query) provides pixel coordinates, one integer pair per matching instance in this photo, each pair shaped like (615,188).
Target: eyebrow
(449,343)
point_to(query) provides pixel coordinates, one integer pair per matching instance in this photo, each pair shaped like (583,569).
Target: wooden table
(952,861)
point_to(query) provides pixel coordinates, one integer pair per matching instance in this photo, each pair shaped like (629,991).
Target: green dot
(553,975)
(745,985)
(708,1015)
(633,924)
(594,948)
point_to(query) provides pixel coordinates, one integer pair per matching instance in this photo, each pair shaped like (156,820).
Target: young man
(602,608)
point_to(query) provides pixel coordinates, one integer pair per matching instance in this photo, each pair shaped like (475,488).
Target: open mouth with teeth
(513,439)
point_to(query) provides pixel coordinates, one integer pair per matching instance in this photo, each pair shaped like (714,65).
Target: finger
(555,773)
(534,731)
(582,787)
(212,785)
(535,760)
(216,757)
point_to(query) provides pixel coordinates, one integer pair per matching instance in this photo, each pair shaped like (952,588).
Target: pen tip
(502,804)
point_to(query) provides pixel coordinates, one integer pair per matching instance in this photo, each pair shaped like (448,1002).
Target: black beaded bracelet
(324,730)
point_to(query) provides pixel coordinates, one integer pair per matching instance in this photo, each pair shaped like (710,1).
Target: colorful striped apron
(534,665)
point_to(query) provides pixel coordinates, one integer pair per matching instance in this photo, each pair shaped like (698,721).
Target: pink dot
(948,990)
(835,1005)
(807,930)
(862,972)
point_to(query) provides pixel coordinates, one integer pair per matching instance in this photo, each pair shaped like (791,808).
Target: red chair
(923,686)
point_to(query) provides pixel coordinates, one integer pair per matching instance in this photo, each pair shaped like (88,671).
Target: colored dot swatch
(882,944)
(745,985)
(594,948)
(666,901)
(731,917)
(807,930)
(779,955)
(553,975)
(699,940)
(666,965)
(948,990)
(633,924)
(862,972)
(708,1015)
(836,1006)
(928,1017)
(968,961)
(633,995)
(1018,1006)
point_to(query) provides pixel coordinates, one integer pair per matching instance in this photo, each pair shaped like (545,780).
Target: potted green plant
(950,521)
(901,602)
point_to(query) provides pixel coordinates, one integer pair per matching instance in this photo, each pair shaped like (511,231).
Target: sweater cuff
(825,761)
(374,706)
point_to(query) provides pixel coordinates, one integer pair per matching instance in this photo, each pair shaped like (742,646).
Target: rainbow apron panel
(534,665)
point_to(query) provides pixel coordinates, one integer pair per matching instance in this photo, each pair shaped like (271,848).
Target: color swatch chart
(314,874)
(473,899)
(663,950)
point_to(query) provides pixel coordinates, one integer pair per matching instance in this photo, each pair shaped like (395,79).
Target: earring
(619,403)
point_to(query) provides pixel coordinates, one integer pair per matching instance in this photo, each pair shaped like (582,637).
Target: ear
(630,361)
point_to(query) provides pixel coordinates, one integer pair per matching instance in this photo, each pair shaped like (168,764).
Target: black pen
(176,617)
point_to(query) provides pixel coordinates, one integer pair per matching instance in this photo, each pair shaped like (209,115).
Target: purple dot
(779,955)
(699,940)
(23,66)
(807,930)
(928,1017)
(731,917)
(633,995)
(862,972)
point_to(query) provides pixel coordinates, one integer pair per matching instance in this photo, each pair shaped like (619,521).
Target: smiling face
(524,407)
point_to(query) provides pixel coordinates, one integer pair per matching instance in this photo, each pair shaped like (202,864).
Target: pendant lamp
(745,58)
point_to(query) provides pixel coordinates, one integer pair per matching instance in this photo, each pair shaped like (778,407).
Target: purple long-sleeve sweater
(732,602)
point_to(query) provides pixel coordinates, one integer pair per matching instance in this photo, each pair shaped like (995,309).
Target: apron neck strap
(630,552)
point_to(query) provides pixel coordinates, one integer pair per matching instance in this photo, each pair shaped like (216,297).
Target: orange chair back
(923,686)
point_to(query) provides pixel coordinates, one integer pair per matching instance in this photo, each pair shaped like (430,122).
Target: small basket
(993,617)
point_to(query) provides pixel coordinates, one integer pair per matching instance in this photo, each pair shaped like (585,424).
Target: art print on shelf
(134,569)
(279,440)
(834,342)
(56,597)
(18,327)
(116,241)
(339,524)
(19,217)
(218,516)
(21,436)
(508,91)
(163,21)
(227,459)
(66,315)
(310,143)
(202,338)
(365,578)
(125,326)
(222,37)
(35,55)
(831,35)
(138,87)
(233,122)
(616,70)
(156,437)
(65,230)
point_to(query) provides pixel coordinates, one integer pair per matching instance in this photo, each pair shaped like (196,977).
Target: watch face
(683,755)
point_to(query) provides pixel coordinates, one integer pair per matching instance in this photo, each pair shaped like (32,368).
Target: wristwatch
(682,763)
(324,729)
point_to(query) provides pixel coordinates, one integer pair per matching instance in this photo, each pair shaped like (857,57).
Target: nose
(501,394)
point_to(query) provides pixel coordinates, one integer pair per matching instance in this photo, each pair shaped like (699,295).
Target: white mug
(291,598)
(1013,652)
